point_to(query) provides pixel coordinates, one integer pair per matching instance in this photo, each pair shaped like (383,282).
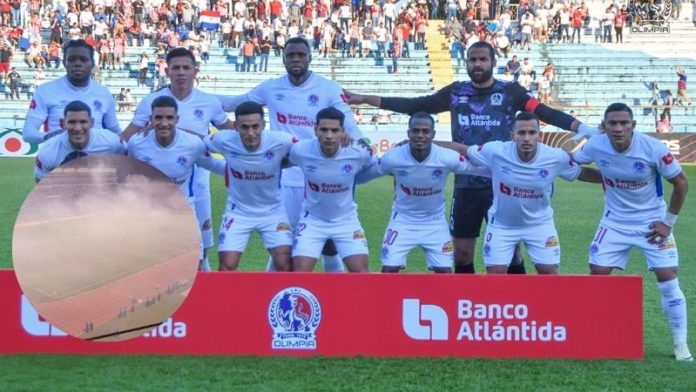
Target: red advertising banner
(370,315)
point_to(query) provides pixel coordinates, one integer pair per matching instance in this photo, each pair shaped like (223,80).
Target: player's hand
(354,98)
(587,131)
(659,232)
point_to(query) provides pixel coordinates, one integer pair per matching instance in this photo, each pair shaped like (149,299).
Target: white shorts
(312,233)
(611,247)
(367,44)
(235,230)
(201,184)
(293,197)
(433,236)
(541,242)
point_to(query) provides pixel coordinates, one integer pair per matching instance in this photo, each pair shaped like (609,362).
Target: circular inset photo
(106,247)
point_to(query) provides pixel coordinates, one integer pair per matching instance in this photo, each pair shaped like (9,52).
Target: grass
(577,207)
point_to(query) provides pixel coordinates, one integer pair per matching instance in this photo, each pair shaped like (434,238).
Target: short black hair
(298,40)
(421,115)
(78,43)
(247,108)
(525,116)
(181,52)
(618,107)
(164,101)
(77,106)
(482,44)
(331,113)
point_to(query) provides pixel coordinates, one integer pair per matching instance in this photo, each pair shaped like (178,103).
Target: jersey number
(390,237)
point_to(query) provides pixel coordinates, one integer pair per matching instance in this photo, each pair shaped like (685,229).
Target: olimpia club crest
(650,13)
(12,144)
(294,315)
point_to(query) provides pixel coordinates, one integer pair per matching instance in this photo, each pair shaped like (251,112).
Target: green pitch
(577,207)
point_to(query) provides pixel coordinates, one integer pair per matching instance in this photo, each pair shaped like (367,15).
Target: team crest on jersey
(358,235)
(279,97)
(543,174)
(97,105)
(294,315)
(198,114)
(313,100)
(447,247)
(310,169)
(347,169)
(497,99)
(603,163)
(269,155)
(639,167)
(283,226)
(437,173)
(401,173)
(182,161)
(506,169)
(551,242)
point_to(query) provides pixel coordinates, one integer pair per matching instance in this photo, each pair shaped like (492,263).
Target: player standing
(44,119)
(482,110)
(177,154)
(254,160)
(523,171)
(329,210)
(635,214)
(293,102)
(197,111)
(420,171)
(79,139)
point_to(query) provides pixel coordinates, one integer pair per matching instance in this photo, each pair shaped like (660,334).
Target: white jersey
(58,150)
(632,179)
(420,186)
(522,190)
(294,109)
(330,180)
(45,114)
(196,112)
(254,176)
(177,160)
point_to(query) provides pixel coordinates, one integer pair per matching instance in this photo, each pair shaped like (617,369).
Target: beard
(480,78)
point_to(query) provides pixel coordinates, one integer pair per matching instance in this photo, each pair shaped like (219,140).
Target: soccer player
(177,154)
(329,209)
(44,119)
(254,160)
(523,171)
(79,139)
(420,171)
(481,111)
(197,111)
(635,214)
(293,102)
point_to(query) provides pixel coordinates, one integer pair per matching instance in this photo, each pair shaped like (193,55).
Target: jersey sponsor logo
(358,235)
(313,186)
(347,169)
(504,189)
(32,104)
(405,189)
(97,105)
(496,99)
(181,161)
(447,247)
(312,100)
(283,226)
(463,120)
(668,159)
(551,242)
(281,118)
(294,315)
(483,120)
(639,167)
(437,173)
(236,174)
(198,114)
(608,182)
(543,174)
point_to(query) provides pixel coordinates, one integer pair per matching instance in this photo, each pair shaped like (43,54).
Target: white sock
(333,263)
(270,267)
(674,306)
(203,265)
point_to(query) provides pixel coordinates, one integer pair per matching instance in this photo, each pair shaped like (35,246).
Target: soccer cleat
(682,353)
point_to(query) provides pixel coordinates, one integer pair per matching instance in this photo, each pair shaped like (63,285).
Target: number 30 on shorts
(390,237)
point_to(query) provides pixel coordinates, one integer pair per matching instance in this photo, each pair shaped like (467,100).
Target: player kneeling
(329,209)
(254,162)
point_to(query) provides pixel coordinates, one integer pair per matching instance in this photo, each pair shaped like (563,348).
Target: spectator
(668,103)
(502,43)
(544,89)
(265,51)
(664,125)
(526,26)
(358,117)
(5,58)
(248,52)
(14,80)
(681,88)
(161,72)
(619,21)
(33,56)
(144,65)
(527,68)
(395,52)
(513,67)
(577,20)
(121,100)
(607,23)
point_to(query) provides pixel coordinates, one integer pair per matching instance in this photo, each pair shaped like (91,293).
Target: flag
(210,20)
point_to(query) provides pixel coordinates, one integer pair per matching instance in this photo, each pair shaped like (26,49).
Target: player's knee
(496,269)
(281,258)
(546,269)
(390,269)
(600,270)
